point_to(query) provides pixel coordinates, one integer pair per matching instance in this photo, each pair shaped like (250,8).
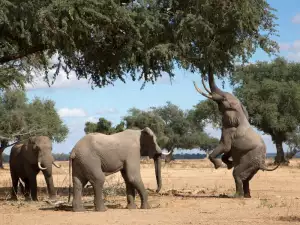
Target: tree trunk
(4,145)
(280,157)
(289,155)
(1,158)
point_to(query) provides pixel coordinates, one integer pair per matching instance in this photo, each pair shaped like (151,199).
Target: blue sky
(78,103)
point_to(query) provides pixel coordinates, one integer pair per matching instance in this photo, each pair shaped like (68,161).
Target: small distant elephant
(98,155)
(26,160)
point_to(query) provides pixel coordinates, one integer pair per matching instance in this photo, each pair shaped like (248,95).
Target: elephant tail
(264,168)
(70,178)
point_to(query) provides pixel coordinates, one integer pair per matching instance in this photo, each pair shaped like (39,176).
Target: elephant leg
(223,147)
(97,184)
(33,187)
(130,192)
(246,185)
(225,159)
(78,185)
(135,179)
(26,190)
(14,189)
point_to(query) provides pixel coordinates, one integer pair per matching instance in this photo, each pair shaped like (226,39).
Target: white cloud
(296,19)
(75,112)
(60,82)
(292,49)
(107,111)
(92,119)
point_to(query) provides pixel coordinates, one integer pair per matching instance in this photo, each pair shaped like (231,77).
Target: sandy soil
(193,193)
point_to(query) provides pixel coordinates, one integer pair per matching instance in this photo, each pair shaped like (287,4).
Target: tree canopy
(174,127)
(106,40)
(103,126)
(271,93)
(20,119)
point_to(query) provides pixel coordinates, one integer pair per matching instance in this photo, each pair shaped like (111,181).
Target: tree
(20,119)
(104,40)
(271,93)
(103,126)
(173,127)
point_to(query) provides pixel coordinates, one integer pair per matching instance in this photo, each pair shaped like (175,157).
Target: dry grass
(193,193)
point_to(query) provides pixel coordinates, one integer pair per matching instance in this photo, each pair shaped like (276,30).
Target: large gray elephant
(26,161)
(98,155)
(238,138)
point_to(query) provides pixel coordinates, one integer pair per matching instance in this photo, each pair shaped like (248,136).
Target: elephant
(26,160)
(238,139)
(98,155)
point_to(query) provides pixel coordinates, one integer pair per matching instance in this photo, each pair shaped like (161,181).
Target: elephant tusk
(166,153)
(203,83)
(57,166)
(40,166)
(201,92)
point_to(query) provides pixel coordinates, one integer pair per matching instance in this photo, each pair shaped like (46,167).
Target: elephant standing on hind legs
(26,161)
(238,138)
(98,155)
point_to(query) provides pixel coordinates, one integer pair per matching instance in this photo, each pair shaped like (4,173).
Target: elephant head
(229,105)
(149,147)
(41,146)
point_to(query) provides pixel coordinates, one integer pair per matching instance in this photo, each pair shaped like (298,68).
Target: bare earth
(193,193)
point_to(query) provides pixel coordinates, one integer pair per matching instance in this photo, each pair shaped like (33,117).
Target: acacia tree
(20,119)
(104,40)
(271,93)
(103,126)
(174,127)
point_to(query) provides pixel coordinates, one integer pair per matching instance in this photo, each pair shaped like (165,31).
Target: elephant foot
(13,198)
(52,197)
(238,195)
(131,206)
(247,195)
(101,209)
(27,199)
(229,165)
(78,209)
(217,163)
(145,206)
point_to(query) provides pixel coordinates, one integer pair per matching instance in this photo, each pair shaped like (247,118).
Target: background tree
(20,119)
(271,93)
(103,126)
(105,40)
(173,127)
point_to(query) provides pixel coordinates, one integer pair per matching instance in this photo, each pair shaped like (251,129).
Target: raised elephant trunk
(157,165)
(213,87)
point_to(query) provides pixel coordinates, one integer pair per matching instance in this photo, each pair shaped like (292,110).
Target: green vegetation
(271,93)
(20,119)
(104,40)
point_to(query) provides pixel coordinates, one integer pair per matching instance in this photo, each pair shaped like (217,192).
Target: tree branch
(20,134)
(22,54)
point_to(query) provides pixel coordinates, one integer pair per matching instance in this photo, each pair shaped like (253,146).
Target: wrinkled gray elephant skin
(26,161)
(238,138)
(98,155)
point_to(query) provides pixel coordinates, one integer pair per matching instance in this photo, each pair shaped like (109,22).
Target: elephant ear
(148,143)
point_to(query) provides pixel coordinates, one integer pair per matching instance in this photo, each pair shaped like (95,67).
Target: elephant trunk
(212,85)
(49,179)
(157,164)
(45,161)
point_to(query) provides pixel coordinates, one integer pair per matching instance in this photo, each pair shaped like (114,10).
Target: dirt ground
(193,193)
